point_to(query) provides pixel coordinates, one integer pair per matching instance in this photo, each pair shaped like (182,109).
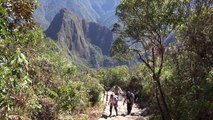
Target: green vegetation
(174,80)
(179,70)
(36,80)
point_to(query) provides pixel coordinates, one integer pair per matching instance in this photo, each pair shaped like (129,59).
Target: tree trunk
(165,106)
(159,106)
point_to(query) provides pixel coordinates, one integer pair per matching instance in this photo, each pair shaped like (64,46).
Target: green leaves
(145,23)
(121,51)
(18,13)
(3,23)
(19,58)
(2,10)
(116,76)
(14,81)
(72,97)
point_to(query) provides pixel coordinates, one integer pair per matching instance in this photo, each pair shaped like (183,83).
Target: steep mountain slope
(98,35)
(66,29)
(87,40)
(98,11)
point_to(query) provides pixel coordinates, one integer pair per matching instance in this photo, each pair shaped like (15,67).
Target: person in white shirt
(113,101)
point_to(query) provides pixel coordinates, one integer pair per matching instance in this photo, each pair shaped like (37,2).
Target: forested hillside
(171,40)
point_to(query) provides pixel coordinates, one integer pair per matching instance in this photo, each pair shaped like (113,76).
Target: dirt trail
(122,111)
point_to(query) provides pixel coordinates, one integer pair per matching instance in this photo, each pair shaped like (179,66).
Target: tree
(198,40)
(143,26)
(192,64)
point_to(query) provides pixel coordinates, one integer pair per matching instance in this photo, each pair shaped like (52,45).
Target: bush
(116,76)
(95,91)
(72,97)
(47,111)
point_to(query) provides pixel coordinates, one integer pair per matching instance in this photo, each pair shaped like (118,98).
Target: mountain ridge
(90,10)
(88,40)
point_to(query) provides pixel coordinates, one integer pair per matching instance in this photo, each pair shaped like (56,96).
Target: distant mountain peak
(69,15)
(65,11)
(87,39)
(66,29)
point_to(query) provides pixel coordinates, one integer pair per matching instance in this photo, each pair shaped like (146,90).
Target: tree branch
(145,62)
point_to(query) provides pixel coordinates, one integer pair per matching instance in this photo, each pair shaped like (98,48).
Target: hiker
(117,90)
(130,100)
(113,101)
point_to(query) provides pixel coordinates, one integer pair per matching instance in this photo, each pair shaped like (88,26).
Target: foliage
(13,83)
(94,89)
(47,110)
(73,97)
(36,80)
(15,91)
(181,74)
(187,69)
(142,82)
(144,26)
(115,76)
(18,14)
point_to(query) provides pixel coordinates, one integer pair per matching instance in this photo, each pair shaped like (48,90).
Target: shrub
(47,111)
(116,76)
(95,91)
(72,97)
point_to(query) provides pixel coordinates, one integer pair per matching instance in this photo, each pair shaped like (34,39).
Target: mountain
(99,11)
(98,35)
(87,40)
(66,29)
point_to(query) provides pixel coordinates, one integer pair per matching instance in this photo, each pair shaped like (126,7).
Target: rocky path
(122,111)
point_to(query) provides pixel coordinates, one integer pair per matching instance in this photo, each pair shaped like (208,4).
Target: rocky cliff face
(99,35)
(86,39)
(66,29)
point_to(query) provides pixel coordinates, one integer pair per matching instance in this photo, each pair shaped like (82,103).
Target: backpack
(115,101)
(130,97)
(116,98)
